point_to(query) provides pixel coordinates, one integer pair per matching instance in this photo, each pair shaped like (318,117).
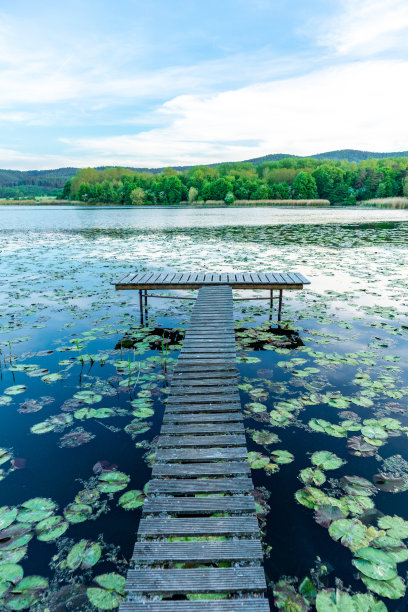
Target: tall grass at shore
(386,202)
(259,203)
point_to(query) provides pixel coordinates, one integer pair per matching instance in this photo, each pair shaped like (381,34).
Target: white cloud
(357,105)
(367,27)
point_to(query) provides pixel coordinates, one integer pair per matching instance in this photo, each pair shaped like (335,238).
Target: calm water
(64,331)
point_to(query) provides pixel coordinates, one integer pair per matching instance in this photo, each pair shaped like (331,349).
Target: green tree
(137,196)
(405,186)
(192,195)
(304,187)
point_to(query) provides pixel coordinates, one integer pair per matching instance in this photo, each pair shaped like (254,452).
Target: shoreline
(186,207)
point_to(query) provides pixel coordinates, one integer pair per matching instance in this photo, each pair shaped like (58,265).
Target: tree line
(340,182)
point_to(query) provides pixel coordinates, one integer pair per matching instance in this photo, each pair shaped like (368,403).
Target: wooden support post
(271,307)
(280,304)
(141,305)
(145,305)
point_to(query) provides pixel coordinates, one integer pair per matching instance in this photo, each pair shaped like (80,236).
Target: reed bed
(260,203)
(386,202)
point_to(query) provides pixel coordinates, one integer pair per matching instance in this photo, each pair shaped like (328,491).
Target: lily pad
(396,526)
(391,589)
(326,515)
(10,574)
(350,532)
(26,592)
(257,460)
(312,476)
(131,499)
(375,563)
(113,481)
(15,390)
(326,460)
(51,528)
(282,456)
(83,555)
(77,513)
(110,592)
(355,485)
(89,397)
(7,516)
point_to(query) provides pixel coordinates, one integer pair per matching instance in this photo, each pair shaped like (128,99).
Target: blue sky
(155,82)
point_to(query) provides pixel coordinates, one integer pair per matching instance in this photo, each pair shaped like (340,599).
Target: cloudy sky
(174,82)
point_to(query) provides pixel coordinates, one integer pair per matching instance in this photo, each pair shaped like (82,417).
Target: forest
(339,181)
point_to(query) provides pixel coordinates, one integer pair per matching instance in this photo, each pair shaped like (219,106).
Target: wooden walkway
(195,280)
(201,452)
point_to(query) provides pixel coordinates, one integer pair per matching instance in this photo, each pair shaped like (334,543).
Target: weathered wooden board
(232,504)
(200,470)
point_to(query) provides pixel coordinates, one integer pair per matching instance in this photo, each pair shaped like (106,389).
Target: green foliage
(283,177)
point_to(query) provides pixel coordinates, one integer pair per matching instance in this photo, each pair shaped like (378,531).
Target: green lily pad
(83,555)
(77,513)
(396,526)
(326,460)
(334,600)
(282,456)
(87,496)
(391,589)
(257,460)
(395,547)
(311,497)
(7,516)
(5,456)
(10,574)
(264,437)
(312,476)
(131,499)
(355,485)
(51,528)
(375,563)
(110,592)
(89,397)
(350,532)
(113,481)
(26,592)
(15,390)
(255,407)
(15,536)
(36,509)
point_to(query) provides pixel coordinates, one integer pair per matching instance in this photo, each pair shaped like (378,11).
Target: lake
(82,389)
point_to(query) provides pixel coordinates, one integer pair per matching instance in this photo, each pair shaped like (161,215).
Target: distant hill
(31,183)
(351,155)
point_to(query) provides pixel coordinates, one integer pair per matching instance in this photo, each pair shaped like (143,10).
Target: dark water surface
(64,331)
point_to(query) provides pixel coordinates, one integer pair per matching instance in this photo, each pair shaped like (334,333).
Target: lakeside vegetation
(340,182)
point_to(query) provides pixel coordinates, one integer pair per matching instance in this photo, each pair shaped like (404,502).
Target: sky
(151,83)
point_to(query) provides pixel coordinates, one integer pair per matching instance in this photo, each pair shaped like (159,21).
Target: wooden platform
(195,280)
(201,486)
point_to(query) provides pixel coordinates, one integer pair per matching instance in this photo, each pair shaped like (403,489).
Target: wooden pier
(145,281)
(201,484)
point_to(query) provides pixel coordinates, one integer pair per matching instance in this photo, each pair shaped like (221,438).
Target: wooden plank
(203,398)
(203,428)
(212,526)
(204,580)
(199,455)
(214,407)
(203,417)
(193,470)
(156,552)
(302,279)
(196,486)
(185,441)
(247,604)
(178,390)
